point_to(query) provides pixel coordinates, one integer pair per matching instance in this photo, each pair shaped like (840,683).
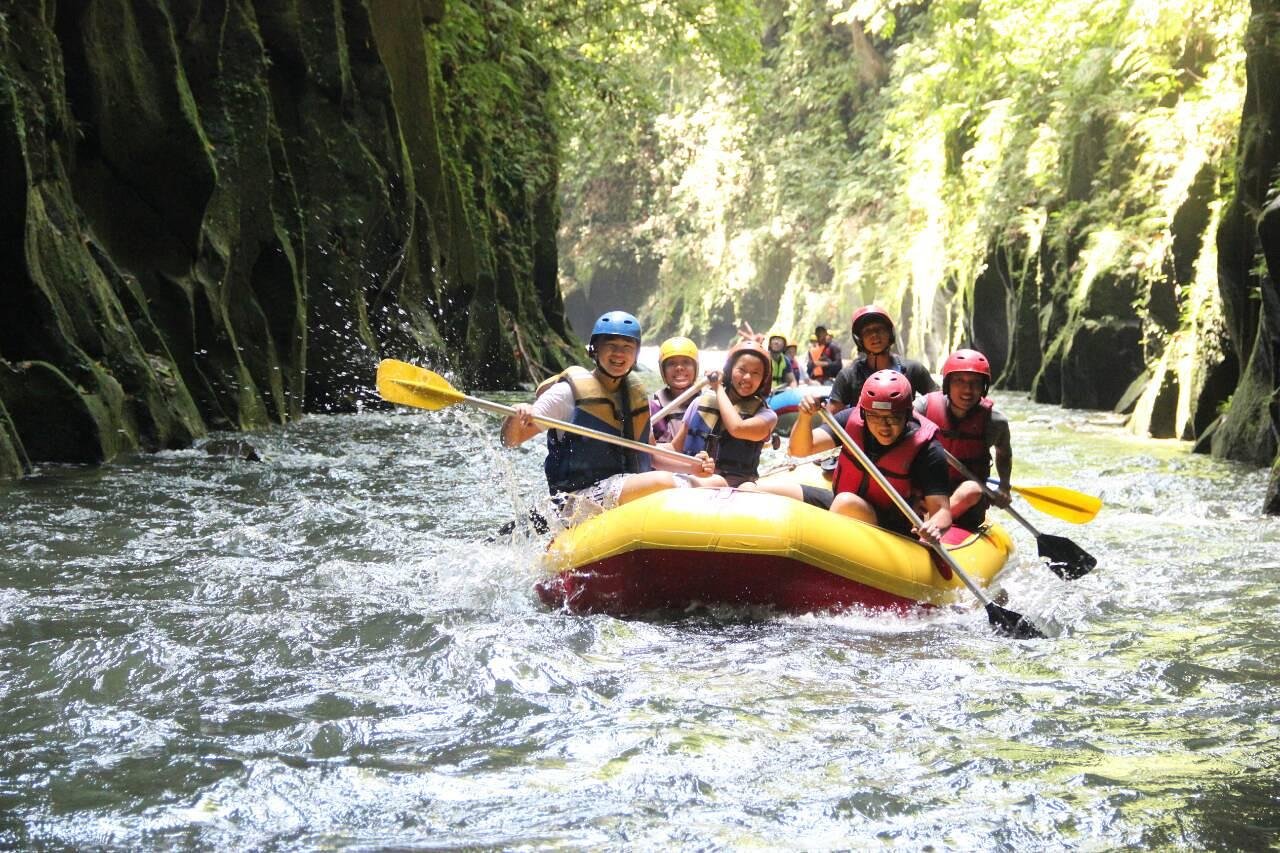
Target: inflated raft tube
(684,548)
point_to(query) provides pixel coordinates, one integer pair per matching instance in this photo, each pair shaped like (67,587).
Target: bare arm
(520,427)
(701,465)
(556,402)
(1004,464)
(755,428)
(677,440)
(804,441)
(937,518)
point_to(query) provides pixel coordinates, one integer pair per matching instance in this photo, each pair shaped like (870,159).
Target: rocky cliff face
(1250,428)
(223,214)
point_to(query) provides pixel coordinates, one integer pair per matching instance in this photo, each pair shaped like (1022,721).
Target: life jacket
(781,364)
(815,353)
(665,430)
(965,438)
(895,463)
(576,461)
(735,457)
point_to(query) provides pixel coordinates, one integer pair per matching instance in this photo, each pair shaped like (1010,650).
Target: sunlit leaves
(865,134)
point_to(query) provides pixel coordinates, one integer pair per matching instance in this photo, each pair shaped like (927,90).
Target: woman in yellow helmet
(678,364)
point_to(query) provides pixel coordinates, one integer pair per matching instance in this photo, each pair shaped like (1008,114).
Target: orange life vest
(815,353)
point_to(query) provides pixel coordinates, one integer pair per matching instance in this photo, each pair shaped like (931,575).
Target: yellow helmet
(673,347)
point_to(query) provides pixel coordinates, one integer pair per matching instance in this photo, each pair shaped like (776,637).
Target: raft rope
(792,463)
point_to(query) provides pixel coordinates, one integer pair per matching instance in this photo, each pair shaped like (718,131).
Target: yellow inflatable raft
(682,548)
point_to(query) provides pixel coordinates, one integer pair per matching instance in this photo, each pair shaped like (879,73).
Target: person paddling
(873,334)
(731,420)
(782,373)
(678,364)
(586,474)
(969,428)
(902,445)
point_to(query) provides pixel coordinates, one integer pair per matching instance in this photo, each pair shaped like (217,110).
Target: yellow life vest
(590,396)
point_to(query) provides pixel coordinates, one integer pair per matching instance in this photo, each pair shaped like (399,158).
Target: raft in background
(786,403)
(683,548)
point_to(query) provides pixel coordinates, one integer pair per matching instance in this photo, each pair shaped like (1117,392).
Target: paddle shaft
(901,502)
(986,490)
(552,423)
(793,462)
(685,396)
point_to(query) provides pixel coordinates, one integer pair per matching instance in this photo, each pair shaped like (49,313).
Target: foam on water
(331,648)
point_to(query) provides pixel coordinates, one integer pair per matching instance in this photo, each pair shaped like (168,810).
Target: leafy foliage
(885,145)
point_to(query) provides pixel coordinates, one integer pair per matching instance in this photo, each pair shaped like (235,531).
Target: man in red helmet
(969,427)
(902,445)
(873,335)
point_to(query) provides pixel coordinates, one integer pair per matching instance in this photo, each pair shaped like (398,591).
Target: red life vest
(895,464)
(966,438)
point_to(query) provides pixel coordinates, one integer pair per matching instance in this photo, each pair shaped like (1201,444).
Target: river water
(324,649)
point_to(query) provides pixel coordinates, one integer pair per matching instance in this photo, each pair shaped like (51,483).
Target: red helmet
(886,391)
(967,361)
(757,349)
(866,314)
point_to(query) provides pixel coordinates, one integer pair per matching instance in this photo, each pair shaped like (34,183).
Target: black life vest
(737,459)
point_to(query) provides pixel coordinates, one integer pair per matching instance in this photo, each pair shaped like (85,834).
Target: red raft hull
(649,580)
(687,548)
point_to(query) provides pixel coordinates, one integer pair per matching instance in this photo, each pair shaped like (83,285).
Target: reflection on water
(325,649)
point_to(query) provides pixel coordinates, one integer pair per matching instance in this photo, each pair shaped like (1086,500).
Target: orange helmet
(886,391)
(753,348)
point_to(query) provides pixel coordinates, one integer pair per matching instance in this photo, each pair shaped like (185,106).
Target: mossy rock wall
(221,215)
(1250,230)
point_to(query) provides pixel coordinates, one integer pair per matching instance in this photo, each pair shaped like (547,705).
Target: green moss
(13,459)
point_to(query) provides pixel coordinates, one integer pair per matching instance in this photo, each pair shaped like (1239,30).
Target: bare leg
(847,503)
(638,485)
(787,490)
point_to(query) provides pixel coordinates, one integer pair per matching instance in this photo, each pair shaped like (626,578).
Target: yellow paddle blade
(410,385)
(1072,506)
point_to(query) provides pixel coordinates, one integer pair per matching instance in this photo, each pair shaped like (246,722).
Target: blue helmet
(618,323)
